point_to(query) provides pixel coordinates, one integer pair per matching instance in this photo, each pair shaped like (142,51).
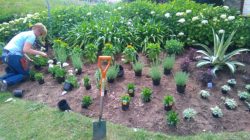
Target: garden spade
(99,127)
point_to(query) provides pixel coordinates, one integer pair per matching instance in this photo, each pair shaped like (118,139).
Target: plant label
(209,85)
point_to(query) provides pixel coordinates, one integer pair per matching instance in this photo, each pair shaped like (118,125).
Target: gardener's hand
(43,54)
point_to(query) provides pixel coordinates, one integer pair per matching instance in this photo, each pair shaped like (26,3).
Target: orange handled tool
(103,71)
(99,128)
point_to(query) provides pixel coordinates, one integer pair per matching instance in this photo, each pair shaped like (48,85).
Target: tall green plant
(76,61)
(129,53)
(60,50)
(218,56)
(168,62)
(90,52)
(153,50)
(181,78)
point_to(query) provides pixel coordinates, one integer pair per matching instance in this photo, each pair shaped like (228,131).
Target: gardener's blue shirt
(16,44)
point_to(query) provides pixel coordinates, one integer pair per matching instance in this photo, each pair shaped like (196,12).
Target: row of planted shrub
(136,23)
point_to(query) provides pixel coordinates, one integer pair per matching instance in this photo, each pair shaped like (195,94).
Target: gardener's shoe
(3,85)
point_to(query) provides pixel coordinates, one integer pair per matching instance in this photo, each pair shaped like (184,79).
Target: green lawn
(25,120)
(10,9)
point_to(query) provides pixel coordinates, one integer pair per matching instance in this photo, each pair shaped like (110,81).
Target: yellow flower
(130,46)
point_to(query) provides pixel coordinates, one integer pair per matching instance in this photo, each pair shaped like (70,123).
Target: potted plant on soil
(243,95)
(225,89)
(86,82)
(172,118)
(153,51)
(189,113)
(125,99)
(168,102)
(121,71)
(32,75)
(216,112)
(230,103)
(108,50)
(60,74)
(248,88)
(168,64)
(137,66)
(181,80)
(112,73)
(131,89)
(155,74)
(204,94)
(146,94)
(90,52)
(86,101)
(70,83)
(129,54)
(231,82)
(39,61)
(39,77)
(206,77)
(76,58)
(98,81)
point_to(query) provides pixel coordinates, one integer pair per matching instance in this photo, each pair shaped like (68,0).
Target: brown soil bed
(150,116)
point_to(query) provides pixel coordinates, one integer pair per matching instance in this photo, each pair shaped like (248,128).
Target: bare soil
(151,116)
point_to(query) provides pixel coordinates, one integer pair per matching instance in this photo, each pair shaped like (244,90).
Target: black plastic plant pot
(167,71)
(138,73)
(146,100)
(63,105)
(54,61)
(88,87)
(67,86)
(224,91)
(18,93)
(203,97)
(242,98)
(228,107)
(32,78)
(215,115)
(180,88)
(131,92)
(37,67)
(231,85)
(85,106)
(111,80)
(41,81)
(60,79)
(168,107)
(79,71)
(125,107)
(120,72)
(156,82)
(105,92)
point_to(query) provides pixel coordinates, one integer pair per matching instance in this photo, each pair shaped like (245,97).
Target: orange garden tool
(99,127)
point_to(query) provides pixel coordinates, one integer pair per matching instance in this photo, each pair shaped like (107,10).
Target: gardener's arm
(28,49)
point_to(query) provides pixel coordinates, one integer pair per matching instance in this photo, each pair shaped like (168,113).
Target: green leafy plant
(60,50)
(53,69)
(112,72)
(152,51)
(226,88)
(72,80)
(98,78)
(39,60)
(217,56)
(168,100)
(129,53)
(181,78)
(125,99)
(230,103)
(86,101)
(108,50)
(204,94)
(90,52)
(231,82)
(32,74)
(168,62)
(155,73)
(59,72)
(243,95)
(174,46)
(76,60)
(172,118)
(247,87)
(131,87)
(137,66)
(146,94)
(216,111)
(189,113)
(39,76)
(86,81)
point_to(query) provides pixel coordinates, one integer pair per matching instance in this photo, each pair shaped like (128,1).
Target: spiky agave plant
(217,56)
